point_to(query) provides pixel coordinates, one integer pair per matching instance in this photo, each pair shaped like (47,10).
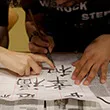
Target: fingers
(104,69)
(78,64)
(33,73)
(92,74)
(32,63)
(35,67)
(28,61)
(85,67)
(51,44)
(39,47)
(36,49)
(89,70)
(27,70)
(39,44)
(38,41)
(41,58)
(84,70)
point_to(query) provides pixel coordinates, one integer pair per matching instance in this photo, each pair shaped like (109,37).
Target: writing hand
(39,44)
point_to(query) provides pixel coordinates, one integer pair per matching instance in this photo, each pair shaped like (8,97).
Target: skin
(38,44)
(24,64)
(4,39)
(95,57)
(20,63)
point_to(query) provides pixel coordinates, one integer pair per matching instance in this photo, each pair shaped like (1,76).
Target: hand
(96,57)
(39,44)
(22,63)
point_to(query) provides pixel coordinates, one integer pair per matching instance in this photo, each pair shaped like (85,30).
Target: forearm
(30,28)
(4,39)
(34,22)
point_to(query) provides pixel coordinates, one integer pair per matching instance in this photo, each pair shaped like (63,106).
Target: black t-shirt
(76,26)
(4,12)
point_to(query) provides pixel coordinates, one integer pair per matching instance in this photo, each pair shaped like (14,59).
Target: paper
(44,87)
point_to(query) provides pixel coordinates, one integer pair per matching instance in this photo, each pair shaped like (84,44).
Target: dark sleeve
(101,26)
(26,4)
(34,5)
(4,5)
(108,25)
(105,28)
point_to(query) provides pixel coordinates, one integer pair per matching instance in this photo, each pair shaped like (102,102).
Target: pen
(49,56)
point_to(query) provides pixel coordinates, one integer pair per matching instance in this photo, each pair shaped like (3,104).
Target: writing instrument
(49,56)
(37,29)
(40,34)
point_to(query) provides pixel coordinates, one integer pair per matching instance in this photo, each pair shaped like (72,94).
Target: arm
(36,43)
(96,57)
(23,63)
(4,39)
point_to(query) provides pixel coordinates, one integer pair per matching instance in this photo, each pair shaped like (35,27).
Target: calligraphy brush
(40,35)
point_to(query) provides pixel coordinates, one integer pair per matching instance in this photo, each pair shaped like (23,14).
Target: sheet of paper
(45,86)
(49,85)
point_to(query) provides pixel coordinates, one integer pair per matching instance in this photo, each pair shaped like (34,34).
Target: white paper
(45,87)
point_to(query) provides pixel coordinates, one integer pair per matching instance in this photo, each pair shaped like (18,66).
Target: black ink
(26,95)
(24,83)
(63,71)
(53,71)
(58,83)
(103,100)
(45,104)
(5,96)
(36,84)
(74,95)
